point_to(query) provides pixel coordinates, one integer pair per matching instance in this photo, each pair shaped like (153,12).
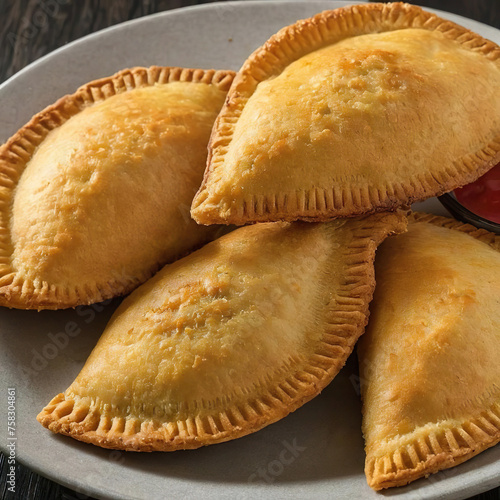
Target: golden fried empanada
(429,361)
(95,190)
(227,340)
(356,110)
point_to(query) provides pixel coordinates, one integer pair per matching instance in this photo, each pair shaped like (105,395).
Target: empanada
(228,339)
(429,361)
(95,190)
(355,110)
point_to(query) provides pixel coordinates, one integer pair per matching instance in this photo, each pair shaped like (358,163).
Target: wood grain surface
(30,29)
(33,28)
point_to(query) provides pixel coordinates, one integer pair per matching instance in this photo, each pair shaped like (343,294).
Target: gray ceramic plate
(317,452)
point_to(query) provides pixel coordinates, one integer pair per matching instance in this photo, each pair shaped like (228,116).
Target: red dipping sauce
(483,196)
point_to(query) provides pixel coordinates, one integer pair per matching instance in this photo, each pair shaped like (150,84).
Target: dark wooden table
(30,29)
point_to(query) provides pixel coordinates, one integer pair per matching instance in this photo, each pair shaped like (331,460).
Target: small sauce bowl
(477,203)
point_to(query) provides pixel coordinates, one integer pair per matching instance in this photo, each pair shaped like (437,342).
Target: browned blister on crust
(429,370)
(355,110)
(227,340)
(95,190)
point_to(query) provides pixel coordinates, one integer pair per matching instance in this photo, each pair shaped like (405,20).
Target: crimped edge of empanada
(491,239)
(441,446)
(448,443)
(17,292)
(235,415)
(319,204)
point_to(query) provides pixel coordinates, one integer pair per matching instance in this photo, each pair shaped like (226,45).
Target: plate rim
(99,493)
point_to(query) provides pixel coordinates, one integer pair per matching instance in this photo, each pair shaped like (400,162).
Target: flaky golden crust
(426,406)
(26,291)
(227,340)
(327,199)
